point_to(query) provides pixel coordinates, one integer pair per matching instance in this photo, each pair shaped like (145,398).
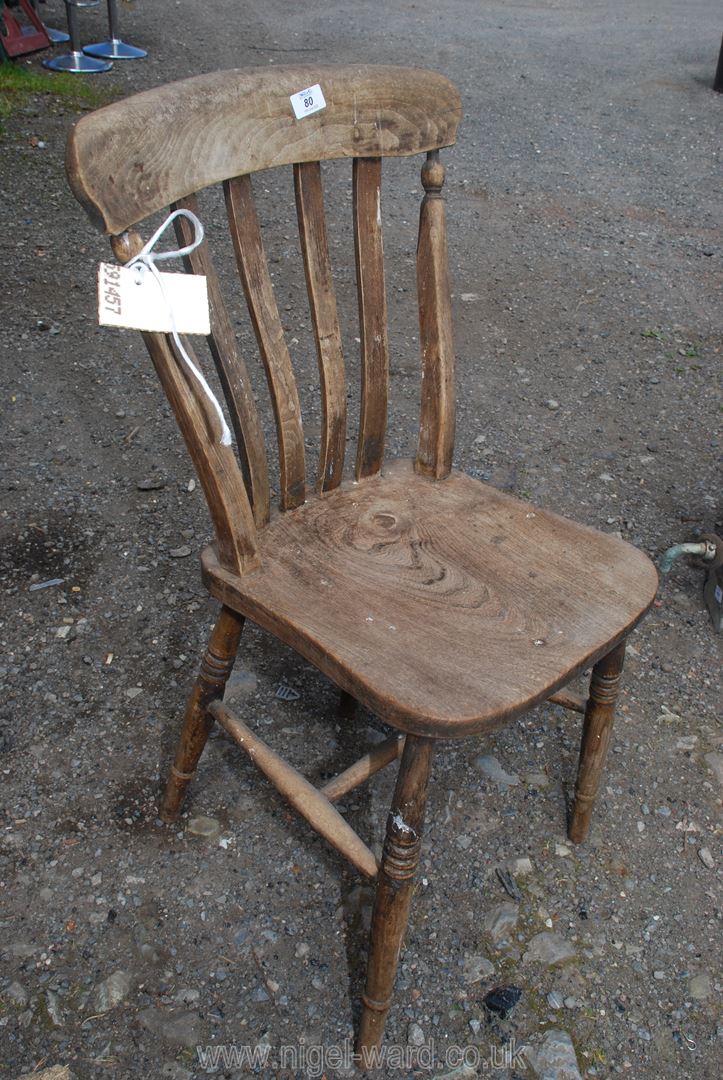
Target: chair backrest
(158,148)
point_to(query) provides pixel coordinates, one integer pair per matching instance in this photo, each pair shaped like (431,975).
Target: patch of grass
(20,83)
(596,1055)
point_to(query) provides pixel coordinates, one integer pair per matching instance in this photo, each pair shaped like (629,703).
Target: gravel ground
(584,212)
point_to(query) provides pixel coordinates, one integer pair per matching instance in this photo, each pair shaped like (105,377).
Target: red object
(17,38)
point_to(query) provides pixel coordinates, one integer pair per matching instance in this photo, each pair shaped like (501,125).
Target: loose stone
(181,552)
(204,826)
(502,1000)
(554,1057)
(111,992)
(521,867)
(415,1035)
(179,1028)
(490,767)
(548,949)
(15,994)
(500,922)
(54,1010)
(476,968)
(705,856)
(700,987)
(714,761)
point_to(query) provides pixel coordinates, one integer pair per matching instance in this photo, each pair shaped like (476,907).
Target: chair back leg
(215,669)
(596,731)
(395,884)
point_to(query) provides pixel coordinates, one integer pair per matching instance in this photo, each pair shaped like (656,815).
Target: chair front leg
(596,731)
(395,885)
(215,669)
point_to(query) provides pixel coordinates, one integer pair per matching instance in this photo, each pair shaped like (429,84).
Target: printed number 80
(308,102)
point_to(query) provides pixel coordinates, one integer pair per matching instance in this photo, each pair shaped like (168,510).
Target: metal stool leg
(76,60)
(115,49)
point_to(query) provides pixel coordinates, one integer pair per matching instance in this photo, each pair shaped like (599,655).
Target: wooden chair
(445,606)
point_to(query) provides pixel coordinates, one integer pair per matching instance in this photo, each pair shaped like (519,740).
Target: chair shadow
(356,892)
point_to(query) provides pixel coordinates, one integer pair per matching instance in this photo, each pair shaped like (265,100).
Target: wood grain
(322,302)
(231,368)
(361,771)
(596,731)
(395,887)
(436,421)
(447,608)
(569,700)
(131,159)
(369,252)
(256,280)
(303,796)
(216,666)
(443,605)
(216,465)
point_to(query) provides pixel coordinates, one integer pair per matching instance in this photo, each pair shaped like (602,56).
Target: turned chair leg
(596,731)
(395,885)
(215,669)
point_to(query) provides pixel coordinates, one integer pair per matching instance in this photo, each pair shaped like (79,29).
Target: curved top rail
(130,159)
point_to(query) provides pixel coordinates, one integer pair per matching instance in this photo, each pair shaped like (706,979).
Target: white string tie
(146,260)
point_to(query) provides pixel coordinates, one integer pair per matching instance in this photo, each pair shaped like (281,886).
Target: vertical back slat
(436,423)
(256,280)
(216,465)
(369,250)
(232,371)
(322,302)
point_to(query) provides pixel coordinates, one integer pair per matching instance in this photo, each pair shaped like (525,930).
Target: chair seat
(446,607)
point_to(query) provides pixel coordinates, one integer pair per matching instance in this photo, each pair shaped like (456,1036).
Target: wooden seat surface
(446,607)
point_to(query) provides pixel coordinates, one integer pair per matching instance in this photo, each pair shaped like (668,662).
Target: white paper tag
(307,101)
(123,300)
